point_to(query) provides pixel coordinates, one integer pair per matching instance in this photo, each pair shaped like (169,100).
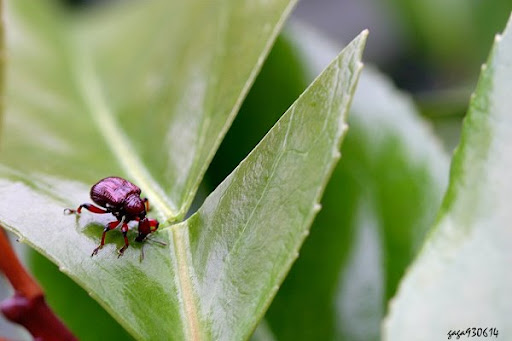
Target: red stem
(28,306)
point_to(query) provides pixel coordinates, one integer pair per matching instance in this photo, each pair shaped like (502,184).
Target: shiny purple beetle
(121,198)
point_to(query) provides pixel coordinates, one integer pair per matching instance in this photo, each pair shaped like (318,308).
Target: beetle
(121,198)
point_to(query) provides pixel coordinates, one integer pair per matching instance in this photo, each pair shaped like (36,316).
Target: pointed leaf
(377,207)
(221,267)
(462,277)
(285,175)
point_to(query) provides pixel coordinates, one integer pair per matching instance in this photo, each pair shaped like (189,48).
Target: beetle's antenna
(154,241)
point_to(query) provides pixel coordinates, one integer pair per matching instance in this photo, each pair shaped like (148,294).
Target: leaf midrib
(90,88)
(115,138)
(192,330)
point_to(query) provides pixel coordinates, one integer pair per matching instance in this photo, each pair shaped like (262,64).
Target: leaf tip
(361,38)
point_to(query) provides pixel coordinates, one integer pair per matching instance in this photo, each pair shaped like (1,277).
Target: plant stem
(28,306)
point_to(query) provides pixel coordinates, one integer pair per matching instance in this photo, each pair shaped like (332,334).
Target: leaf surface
(145,91)
(222,266)
(285,175)
(462,277)
(63,295)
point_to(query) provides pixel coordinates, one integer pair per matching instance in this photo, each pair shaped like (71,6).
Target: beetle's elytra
(121,198)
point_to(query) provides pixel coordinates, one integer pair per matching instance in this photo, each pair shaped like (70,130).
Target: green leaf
(462,277)
(434,29)
(90,321)
(438,25)
(378,204)
(279,83)
(208,282)
(50,99)
(146,90)
(285,175)
(79,86)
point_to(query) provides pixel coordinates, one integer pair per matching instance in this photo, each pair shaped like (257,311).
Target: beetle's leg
(110,226)
(141,257)
(154,224)
(92,208)
(146,203)
(89,207)
(124,229)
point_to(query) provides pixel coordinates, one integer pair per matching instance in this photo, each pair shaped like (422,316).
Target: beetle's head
(144,230)
(134,206)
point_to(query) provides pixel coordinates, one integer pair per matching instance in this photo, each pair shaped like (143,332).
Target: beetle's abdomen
(112,191)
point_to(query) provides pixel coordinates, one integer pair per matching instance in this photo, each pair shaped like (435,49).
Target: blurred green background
(432,49)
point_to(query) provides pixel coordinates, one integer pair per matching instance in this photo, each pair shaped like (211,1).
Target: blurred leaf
(240,244)
(462,277)
(377,206)
(438,28)
(145,90)
(437,24)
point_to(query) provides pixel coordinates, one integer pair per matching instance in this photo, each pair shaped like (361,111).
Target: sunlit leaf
(146,90)
(207,281)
